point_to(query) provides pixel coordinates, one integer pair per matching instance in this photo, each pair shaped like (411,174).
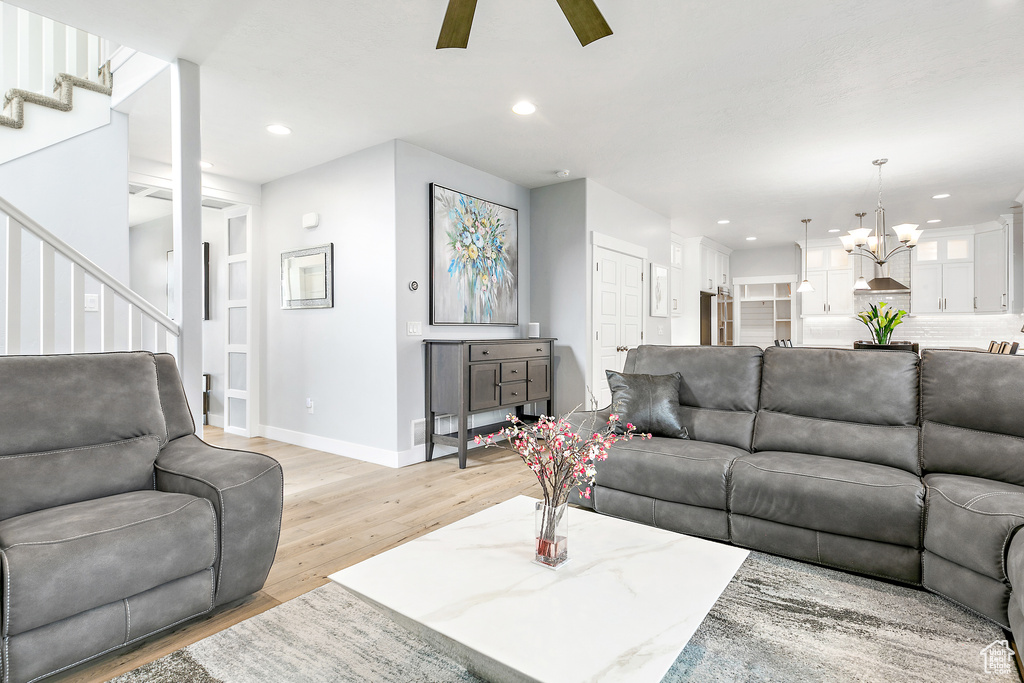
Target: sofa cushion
(88,554)
(648,402)
(674,470)
(971,521)
(878,387)
(882,445)
(973,427)
(719,389)
(717,377)
(34,481)
(857,499)
(66,401)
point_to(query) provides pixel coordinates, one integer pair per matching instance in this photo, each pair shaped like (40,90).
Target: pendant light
(806,285)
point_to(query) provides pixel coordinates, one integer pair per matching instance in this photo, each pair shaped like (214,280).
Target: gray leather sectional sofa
(116,520)
(877,462)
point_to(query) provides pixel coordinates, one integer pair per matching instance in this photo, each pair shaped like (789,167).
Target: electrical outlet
(661,329)
(309,406)
(92,302)
(414,329)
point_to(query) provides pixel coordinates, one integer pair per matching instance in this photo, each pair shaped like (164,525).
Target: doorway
(618,314)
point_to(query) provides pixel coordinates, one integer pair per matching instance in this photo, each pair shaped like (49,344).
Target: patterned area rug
(779,620)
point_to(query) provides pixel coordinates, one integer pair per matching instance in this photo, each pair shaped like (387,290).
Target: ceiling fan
(583,15)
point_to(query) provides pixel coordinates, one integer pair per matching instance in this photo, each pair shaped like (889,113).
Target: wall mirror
(307,277)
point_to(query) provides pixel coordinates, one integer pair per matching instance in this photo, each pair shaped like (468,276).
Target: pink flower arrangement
(561,458)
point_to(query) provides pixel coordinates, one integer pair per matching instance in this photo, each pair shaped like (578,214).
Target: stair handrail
(86,264)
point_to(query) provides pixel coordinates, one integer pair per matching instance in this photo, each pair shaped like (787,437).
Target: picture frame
(307,277)
(659,291)
(474,260)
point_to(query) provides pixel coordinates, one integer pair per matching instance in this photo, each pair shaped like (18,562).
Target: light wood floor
(337,512)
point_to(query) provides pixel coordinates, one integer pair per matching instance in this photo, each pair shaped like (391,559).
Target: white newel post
(186,151)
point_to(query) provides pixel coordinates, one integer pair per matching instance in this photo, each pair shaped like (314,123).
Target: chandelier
(871,244)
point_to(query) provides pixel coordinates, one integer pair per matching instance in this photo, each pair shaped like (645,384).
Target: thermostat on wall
(310,220)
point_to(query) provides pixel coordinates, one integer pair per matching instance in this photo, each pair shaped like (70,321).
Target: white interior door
(239,392)
(618,314)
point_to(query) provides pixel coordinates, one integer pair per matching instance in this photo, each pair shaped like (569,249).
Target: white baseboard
(378,456)
(216,420)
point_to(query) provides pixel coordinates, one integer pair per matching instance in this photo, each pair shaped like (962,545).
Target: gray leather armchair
(116,520)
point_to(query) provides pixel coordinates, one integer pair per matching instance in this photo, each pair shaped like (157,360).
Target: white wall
(415,169)
(560,298)
(77,189)
(565,216)
(609,213)
(342,357)
(768,261)
(149,243)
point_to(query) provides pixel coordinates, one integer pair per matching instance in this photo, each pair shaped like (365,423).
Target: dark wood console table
(465,377)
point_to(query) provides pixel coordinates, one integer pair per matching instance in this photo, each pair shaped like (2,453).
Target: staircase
(46,70)
(56,300)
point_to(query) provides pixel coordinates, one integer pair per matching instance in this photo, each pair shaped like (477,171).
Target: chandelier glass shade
(871,244)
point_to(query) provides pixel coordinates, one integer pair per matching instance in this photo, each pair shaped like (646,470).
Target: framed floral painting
(474,260)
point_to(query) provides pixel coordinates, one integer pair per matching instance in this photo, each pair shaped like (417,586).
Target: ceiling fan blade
(458,20)
(586,20)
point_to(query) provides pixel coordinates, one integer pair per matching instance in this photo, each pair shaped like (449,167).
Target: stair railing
(126,321)
(34,50)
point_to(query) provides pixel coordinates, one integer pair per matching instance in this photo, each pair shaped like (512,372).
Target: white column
(186,150)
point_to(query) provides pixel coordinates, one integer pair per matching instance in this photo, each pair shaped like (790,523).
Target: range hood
(886,285)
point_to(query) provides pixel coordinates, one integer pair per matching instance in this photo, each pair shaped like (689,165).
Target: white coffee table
(621,609)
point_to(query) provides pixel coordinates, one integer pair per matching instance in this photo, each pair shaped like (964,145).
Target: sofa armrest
(247,492)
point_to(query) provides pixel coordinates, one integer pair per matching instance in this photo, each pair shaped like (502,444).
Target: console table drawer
(505,350)
(513,371)
(513,392)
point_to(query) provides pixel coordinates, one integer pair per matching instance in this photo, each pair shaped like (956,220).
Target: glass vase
(551,531)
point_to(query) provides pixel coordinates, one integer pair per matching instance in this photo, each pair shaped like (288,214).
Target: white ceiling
(762,112)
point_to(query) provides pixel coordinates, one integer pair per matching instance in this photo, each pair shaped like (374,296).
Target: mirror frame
(326,302)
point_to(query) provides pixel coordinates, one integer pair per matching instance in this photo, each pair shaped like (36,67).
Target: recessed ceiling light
(278,129)
(940,196)
(751,239)
(724,221)
(205,165)
(834,230)
(935,220)
(524,108)
(564,173)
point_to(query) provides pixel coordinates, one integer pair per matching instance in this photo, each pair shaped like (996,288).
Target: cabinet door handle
(540,350)
(529,380)
(945,304)
(975,303)
(486,353)
(940,303)
(515,372)
(515,393)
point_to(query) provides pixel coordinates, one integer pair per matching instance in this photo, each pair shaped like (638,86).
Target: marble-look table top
(622,608)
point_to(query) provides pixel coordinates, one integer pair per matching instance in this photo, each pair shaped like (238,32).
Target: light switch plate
(92,302)
(414,329)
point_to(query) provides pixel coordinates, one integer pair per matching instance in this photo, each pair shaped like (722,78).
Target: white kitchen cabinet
(945,249)
(832,295)
(943,288)
(991,291)
(714,266)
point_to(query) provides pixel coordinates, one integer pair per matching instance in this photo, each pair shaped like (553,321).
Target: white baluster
(47,312)
(77,309)
(8,47)
(54,46)
(134,328)
(161,338)
(13,308)
(93,68)
(30,51)
(78,52)
(107,342)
